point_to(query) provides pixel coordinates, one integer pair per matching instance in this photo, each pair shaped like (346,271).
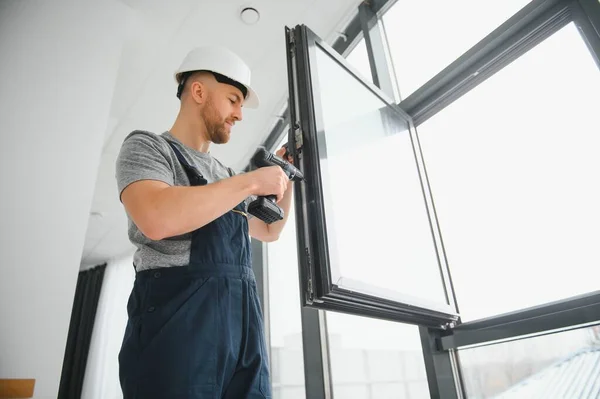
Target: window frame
(562,315)
(318,289)
(439,347)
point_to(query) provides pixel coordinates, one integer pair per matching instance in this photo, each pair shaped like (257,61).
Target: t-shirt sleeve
(142,157)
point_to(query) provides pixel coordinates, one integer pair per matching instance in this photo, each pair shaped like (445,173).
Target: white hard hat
(223,62)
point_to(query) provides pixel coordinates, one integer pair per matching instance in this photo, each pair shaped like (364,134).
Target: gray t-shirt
(147,156)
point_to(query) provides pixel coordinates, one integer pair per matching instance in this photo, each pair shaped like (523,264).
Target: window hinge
(297,137)
(448,326)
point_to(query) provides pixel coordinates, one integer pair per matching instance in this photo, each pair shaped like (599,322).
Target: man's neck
(190,132)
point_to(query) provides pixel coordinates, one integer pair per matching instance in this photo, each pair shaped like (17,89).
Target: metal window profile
(556,316)
(443,373)
(376,50)
(318,289)
(528,27)
(317,367)
(586,15)
(315,345)
(592,11)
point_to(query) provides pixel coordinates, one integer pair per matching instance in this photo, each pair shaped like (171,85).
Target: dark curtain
(85,303)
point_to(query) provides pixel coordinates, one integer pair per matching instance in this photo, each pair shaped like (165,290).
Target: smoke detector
(250,15)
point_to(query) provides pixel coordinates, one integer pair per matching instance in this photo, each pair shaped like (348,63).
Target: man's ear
(198,91)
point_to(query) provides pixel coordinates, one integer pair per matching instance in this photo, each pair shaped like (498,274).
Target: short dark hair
(219,78)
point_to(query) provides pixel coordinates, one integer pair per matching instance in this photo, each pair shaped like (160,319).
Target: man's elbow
(273,233)
(143,207)
(153,231)
(154,227)
(265,236)
(272,238)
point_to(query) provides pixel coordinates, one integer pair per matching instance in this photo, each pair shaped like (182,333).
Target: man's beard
(215,125)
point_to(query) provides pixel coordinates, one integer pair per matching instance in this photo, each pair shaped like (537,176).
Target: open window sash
(368,238)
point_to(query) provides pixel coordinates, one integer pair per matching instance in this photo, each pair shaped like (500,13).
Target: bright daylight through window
(564,364)
(423,42)
(359,59)
(373,358)
(367,145)
(513,171)
(513,167)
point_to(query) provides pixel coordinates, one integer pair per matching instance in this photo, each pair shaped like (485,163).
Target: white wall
(57,72)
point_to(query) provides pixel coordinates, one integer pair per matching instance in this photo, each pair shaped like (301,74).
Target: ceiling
(144,93)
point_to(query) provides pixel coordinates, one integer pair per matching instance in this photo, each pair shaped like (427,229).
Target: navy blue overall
(196,331)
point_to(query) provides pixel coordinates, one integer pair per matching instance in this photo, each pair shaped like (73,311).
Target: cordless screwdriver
(265,208)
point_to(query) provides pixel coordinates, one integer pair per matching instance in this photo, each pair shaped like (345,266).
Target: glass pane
(374,203)
(562,365)
(372,358)
(287,361)
(359,59)
(427,36)
(514,168)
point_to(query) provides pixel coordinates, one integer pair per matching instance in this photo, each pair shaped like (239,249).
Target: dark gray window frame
(377,51)
(563,315)
(528,27)
(319,290)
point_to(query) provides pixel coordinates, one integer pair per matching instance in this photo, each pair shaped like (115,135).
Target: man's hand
(269,233)
(281,154)
(269,180)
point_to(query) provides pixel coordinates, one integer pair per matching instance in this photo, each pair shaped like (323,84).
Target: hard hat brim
(251,100)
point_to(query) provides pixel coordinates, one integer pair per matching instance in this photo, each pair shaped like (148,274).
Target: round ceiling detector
(250,15)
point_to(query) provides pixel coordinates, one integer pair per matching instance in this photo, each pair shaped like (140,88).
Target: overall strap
(194,175)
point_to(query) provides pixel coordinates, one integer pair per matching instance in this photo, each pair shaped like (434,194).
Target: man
(195,324)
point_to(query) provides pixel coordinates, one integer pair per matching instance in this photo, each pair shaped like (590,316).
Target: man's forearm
(178,210)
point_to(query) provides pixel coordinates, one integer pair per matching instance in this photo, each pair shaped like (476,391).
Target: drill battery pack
(266,210)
